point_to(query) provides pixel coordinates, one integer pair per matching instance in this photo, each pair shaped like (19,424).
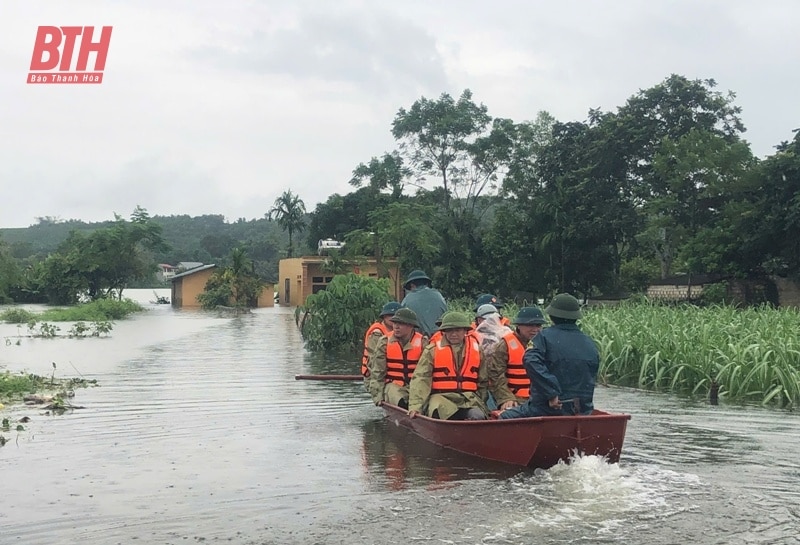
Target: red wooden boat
(539,442)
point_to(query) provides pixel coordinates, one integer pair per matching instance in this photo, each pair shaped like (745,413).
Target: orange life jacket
(370,331)
(435,337)
(400,366)
(518,381)
(446,377)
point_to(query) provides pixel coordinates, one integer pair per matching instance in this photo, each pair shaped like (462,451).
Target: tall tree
(667,112)
(696,173)
(289,210)
(388,172)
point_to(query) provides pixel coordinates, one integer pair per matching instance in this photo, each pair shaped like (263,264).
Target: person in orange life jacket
(451,380)
(508,380)
(383,326)
(436,334)
(489,299)
(394,360)
(562,365)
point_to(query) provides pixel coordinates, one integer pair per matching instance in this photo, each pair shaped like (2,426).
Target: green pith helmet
(564,306)
(389,309)
(414,276)
(529,316)
(455,320)
(487,299)
(405,316)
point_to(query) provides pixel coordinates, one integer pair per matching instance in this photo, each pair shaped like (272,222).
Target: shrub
(17,316)
(337,317)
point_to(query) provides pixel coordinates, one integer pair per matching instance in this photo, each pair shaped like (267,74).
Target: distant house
(166,272)
(299,277)
(186,287)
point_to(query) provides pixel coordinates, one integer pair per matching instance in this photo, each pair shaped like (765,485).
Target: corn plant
(753,354)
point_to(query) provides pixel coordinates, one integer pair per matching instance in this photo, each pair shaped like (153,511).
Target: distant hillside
(207,239)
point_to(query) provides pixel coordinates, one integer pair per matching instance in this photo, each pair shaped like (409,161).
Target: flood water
(198,432)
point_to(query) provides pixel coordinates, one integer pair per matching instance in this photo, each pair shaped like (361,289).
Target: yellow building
(299,277)
(188,285)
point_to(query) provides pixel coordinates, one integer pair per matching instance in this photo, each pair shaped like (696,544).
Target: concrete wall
(788,292)
(299,277)
(673,293)
(267,297)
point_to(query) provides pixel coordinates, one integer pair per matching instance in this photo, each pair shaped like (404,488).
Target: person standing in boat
(508,381)
(562,365)
(426,302)
(381,327)
(451,379)
(395,359)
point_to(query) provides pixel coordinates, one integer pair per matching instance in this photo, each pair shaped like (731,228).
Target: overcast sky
(212,107)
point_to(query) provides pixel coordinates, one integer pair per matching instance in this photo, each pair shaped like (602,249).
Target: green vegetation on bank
(13,387)
(752,354)
(94,311)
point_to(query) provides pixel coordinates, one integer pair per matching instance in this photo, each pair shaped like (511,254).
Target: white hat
(485,310)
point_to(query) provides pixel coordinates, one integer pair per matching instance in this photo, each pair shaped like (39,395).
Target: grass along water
(753,354)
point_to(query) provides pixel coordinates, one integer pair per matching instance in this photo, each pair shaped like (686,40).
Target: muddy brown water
(198,432)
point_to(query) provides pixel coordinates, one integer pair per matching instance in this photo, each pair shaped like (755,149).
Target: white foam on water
(590,493)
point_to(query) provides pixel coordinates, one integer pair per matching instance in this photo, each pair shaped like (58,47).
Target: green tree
(10,276)
(342,214)
(235,284)
(103,262)
(696,172)
(646,126)
(456,145)
(388,172)
(336,317)
(289,210)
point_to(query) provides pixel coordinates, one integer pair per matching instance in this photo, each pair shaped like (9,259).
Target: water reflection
(405,460)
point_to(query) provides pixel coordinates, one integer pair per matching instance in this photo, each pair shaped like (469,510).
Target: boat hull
(539,442)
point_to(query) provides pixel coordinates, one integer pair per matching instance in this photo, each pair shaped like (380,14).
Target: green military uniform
(447,404)
(373,344)
(377,386)
(497,367)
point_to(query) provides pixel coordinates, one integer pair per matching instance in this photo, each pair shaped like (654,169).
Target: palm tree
(289,210)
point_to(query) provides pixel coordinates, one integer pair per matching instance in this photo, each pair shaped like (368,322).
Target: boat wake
(601,499)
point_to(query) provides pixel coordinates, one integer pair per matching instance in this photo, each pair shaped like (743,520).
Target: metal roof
(192,271)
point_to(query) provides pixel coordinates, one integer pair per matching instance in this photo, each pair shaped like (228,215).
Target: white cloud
(218,108)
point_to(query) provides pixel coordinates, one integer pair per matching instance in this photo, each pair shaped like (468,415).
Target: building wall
(267,297)
(186,289)
(299,277)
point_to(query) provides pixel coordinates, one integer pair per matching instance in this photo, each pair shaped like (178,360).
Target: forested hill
(207,239)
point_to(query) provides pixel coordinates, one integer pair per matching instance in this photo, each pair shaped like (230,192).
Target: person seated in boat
(488,328)
(489,299)
(451,379)
(395,359)
(508,381)
(562,365)
(381,327)
(426,301)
